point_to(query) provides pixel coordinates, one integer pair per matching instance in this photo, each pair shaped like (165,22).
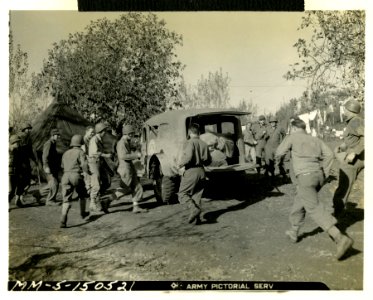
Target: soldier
(99,177)
(195,156)
(250,143)
(74,163)
(350,154)
(126,168)
(51,167)
(275,135)
(260,134)
(312,161)
(89,133)
(26,155)
(14,170)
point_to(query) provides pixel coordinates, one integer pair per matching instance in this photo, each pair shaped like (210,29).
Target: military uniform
(127,170)
(86,175)
(195,156)
(312,161)
(26,155)
(353,142)
(248,138)
(274,138)
(260,136)
(307,153)
(14,170)
(51,167)
(74,163)
(100,179)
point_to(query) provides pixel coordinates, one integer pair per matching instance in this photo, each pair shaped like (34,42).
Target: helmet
(76,140)
(127,129)
(262,118)
(273,119)
(26,126)
(14,139)
(99,127)
(353,106)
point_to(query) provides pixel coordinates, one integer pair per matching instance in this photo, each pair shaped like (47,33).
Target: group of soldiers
(261,141)
(84,170)
(311,162)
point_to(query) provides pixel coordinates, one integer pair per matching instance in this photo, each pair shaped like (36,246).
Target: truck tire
(165,189)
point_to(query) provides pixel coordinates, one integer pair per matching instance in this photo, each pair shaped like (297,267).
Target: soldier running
(74,163)
(195,156)
(126,168)
(350,155)
(312,161)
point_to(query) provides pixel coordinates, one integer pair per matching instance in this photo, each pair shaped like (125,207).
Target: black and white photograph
(209,150)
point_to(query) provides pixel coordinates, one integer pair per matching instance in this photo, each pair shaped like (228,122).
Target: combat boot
(195,212)
(137,209)
(19,201)
(344,243)
(292,234)
(65,210)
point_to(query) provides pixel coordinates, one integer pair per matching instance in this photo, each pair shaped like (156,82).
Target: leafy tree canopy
(212,92)
(334,55)
(118,71)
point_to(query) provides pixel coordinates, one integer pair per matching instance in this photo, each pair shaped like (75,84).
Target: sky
(254,49)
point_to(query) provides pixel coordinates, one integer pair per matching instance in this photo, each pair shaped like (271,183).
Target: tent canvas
(60,116)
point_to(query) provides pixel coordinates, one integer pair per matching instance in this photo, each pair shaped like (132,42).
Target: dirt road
(241,238)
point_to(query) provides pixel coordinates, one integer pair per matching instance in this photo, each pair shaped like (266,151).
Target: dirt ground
(241,239)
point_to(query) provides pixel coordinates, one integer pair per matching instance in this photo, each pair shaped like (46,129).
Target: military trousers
(73,181)
(100,182)
(129,181)
(192,185)
(250,153)
(307,201)
(51,189)
(347,176)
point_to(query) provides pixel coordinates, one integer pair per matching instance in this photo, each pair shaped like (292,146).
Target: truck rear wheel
(165,189)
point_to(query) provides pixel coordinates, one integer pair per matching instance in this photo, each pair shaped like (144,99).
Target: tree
(247,106)
(23,103)
(212,91)
(121,70)
(334,56)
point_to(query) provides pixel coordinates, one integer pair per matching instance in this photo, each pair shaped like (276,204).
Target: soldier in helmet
(26,156)
(195,156)
(126,168)
(14,170)
(350,154)
(311,160)
(51,168)
(74,163)
(275,135)
(260,135)
(99,176)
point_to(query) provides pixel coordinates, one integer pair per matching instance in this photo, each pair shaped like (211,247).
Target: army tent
(62,117)
(68,122)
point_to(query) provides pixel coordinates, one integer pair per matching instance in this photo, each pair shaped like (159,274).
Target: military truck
(162,140)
